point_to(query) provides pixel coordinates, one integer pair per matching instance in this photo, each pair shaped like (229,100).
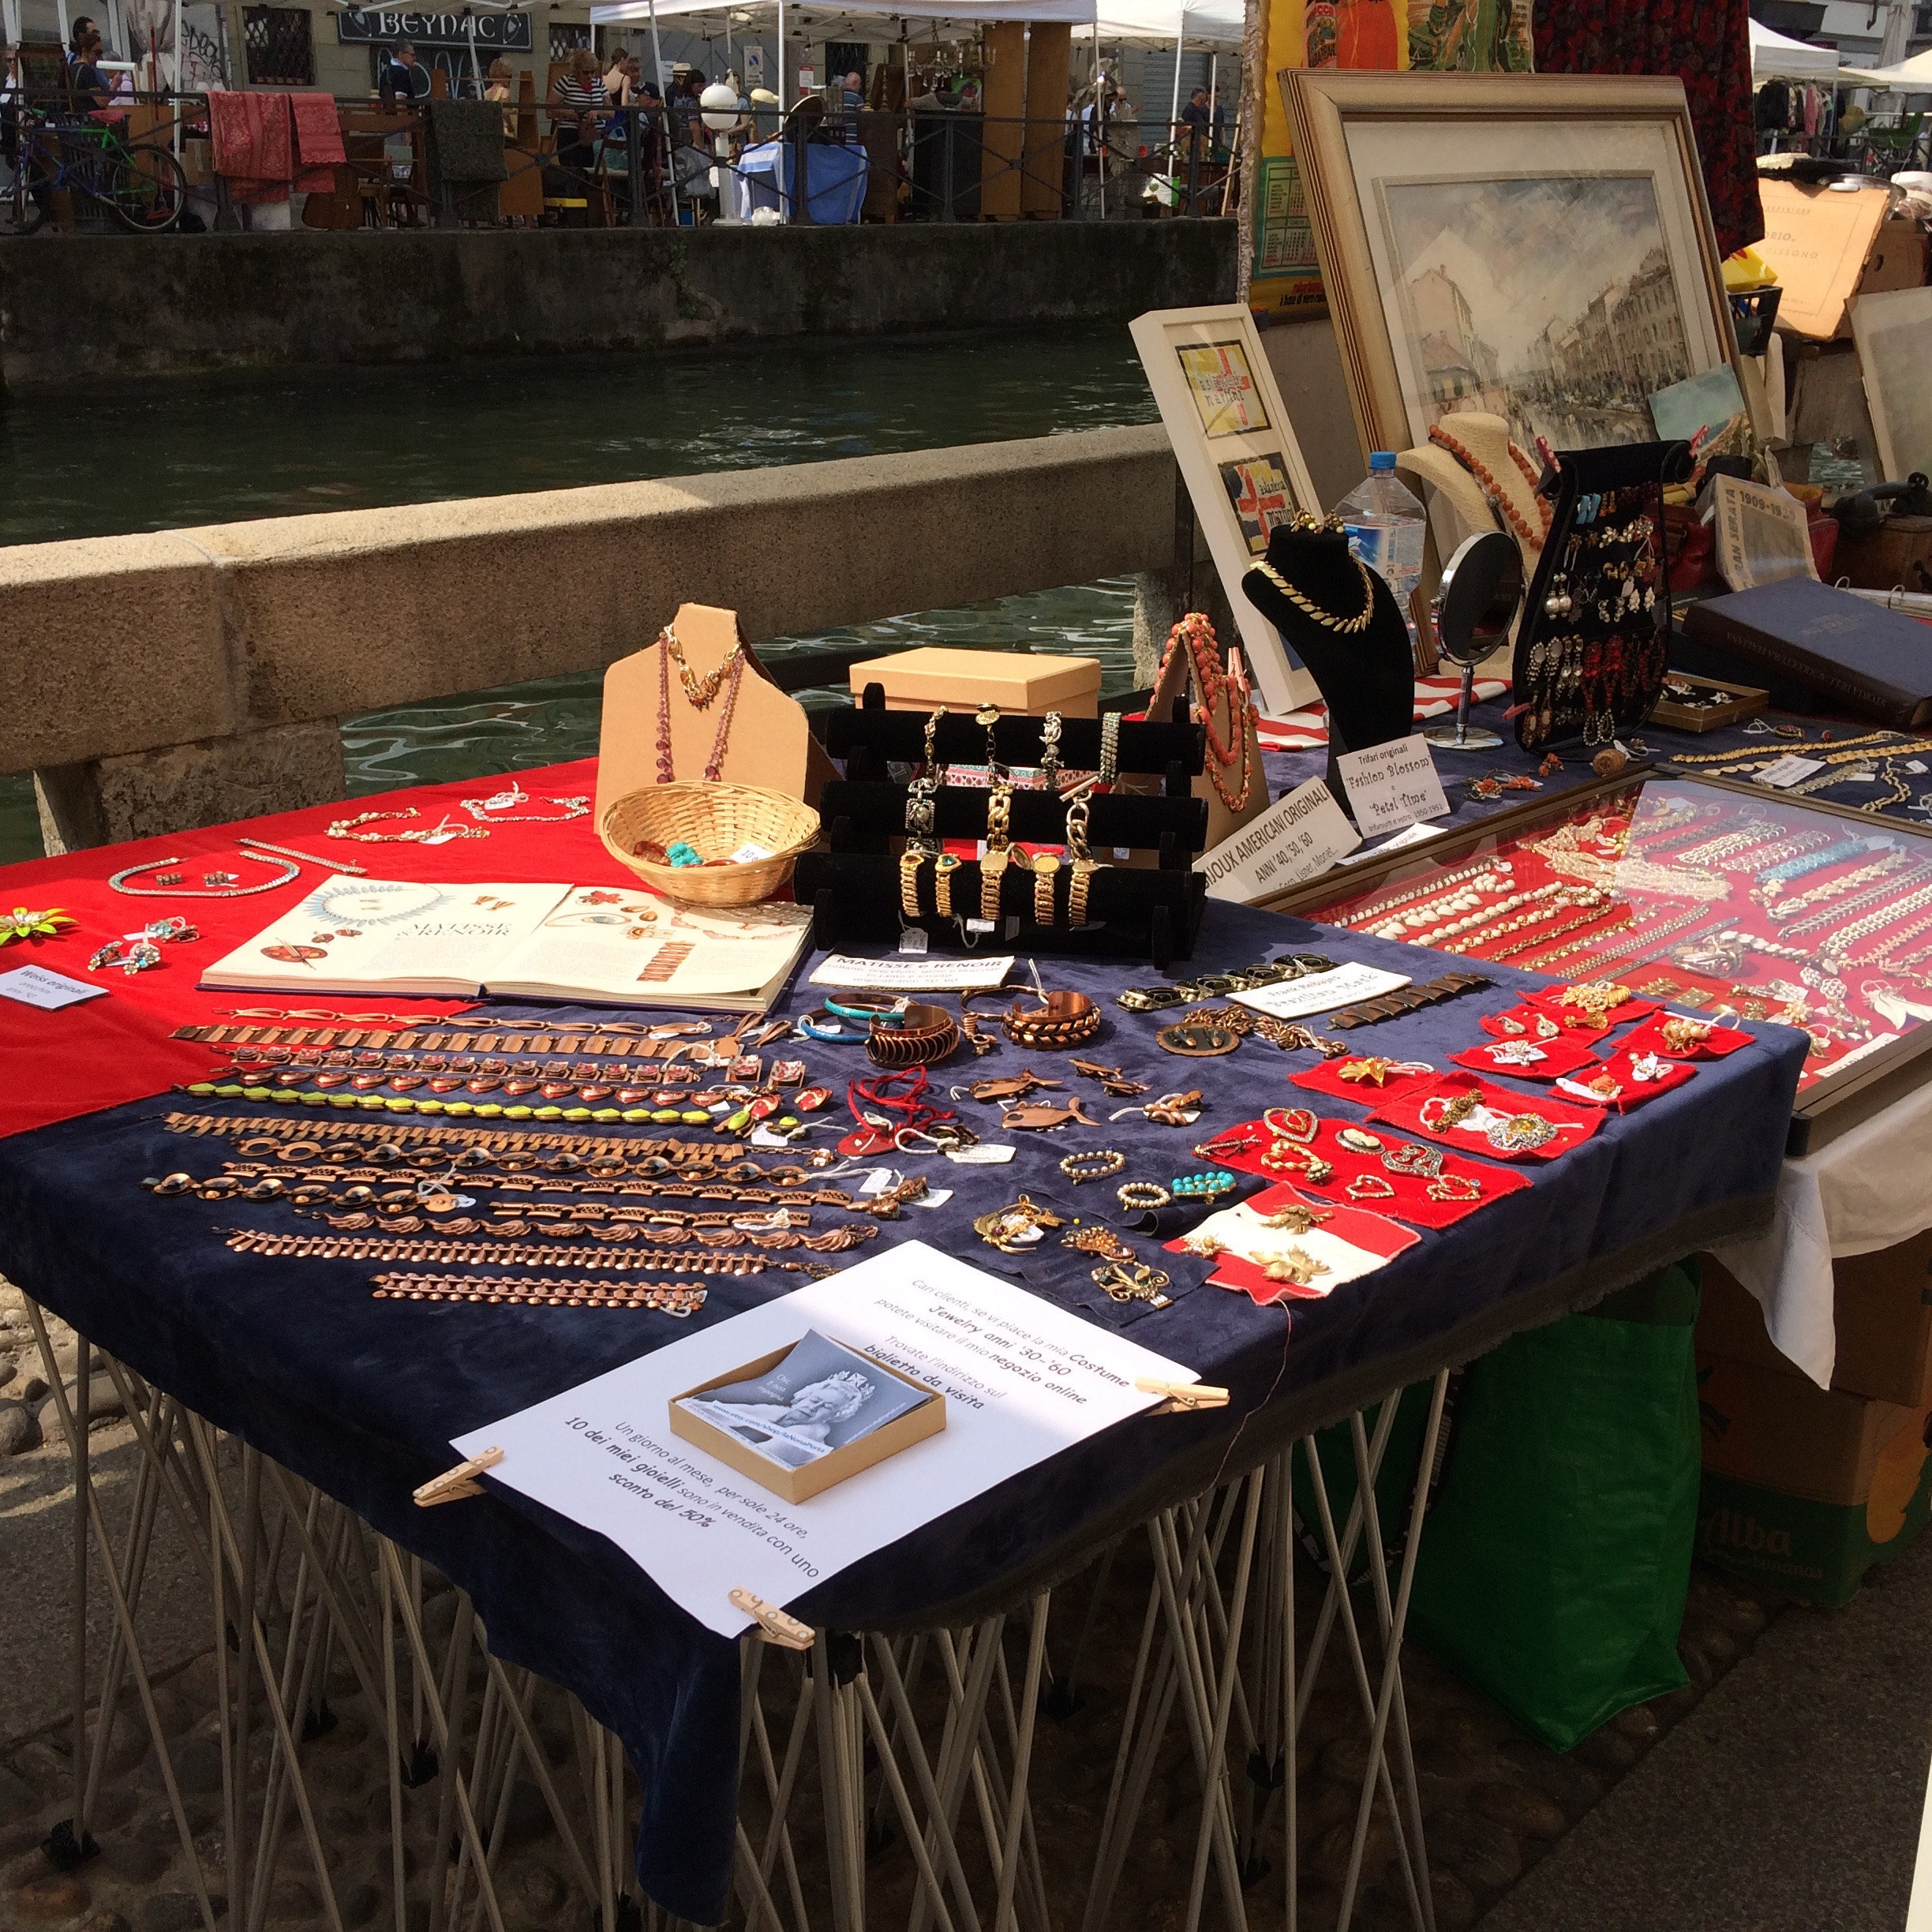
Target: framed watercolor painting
(1535,247)
(1893,331)
(1222,412)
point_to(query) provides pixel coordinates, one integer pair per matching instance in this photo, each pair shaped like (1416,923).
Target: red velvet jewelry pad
(1376,1238)
(1526,1022)
(1571,1020)
(1577,1123)
(1618,1067)
(1649,1038)
(1557,1057)
(1242,1148)
(1326,1077)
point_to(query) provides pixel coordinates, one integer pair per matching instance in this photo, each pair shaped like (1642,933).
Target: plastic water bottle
(1385,523)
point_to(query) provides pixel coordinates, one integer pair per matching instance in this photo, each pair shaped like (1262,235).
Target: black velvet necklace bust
(1366,677)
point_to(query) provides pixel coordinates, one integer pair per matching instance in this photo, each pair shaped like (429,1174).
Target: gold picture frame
(1563,214)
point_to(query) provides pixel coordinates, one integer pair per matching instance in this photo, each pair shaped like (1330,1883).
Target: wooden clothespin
(778,1628)
(1182,1398)
(453,1484)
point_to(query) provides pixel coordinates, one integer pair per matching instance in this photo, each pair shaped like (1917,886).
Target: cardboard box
(1882,1309)
(798,1485)
(1897,261)
(1021,684)
(1804,1489)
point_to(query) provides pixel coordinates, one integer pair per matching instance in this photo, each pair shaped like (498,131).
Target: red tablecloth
(102,1052)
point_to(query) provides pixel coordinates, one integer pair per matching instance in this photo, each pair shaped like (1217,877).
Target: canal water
(163,455)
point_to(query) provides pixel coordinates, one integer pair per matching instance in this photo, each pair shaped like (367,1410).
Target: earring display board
(886,867)
(1722,902)
(745,731)
(1593,644)
(1244,470)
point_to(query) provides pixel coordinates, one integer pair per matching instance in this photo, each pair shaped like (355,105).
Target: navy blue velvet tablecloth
(361,1397)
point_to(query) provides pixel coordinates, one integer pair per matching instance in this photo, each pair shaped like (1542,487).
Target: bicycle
(141,185)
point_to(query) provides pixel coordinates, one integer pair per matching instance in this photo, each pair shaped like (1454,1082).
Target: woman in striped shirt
(580,89)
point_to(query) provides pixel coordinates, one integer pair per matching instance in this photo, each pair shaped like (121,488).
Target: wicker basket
(715,820)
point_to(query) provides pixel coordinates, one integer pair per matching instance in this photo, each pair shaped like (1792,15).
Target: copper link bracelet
(380,1248)
(409,1133)
(639,1044)
(679,1298)
(295,1185)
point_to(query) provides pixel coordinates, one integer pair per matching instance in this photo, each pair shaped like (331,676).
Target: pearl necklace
(1362,921)
(1487,879)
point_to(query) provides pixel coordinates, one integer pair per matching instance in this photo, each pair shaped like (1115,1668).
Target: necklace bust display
(1492,482)
(1341,621)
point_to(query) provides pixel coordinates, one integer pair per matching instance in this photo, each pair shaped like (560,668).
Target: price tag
(1787,771)
(34,985)
(1392,785)
(912,939)
(984,1154)
(1304,835)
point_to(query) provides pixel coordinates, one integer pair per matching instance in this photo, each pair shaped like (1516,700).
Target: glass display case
(1720,898)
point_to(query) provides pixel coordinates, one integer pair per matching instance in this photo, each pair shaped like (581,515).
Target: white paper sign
(1787,771)
(1322,992)
(34,985)
(911,975)
(1392,785)
(1023,1380)
(1414,835)
(1304,835)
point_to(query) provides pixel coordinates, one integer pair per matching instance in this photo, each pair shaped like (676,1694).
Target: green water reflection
(160,455)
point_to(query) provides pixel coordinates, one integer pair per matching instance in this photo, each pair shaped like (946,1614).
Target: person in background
(83,28)
(405,77)
(499,90)
(579,92)
(854,93)
(90,87)
(1196,123)
(968,100)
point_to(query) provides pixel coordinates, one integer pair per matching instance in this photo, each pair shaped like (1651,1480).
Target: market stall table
(361,1397)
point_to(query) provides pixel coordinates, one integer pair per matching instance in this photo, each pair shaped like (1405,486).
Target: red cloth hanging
(318,142)
(252,144)
(1706,43)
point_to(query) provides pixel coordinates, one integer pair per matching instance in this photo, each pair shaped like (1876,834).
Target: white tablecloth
(1870,1189)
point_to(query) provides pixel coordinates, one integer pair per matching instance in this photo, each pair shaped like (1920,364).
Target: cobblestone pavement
(1494,1801)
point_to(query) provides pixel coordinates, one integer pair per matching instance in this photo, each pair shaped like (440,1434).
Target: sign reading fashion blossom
(1022,1379)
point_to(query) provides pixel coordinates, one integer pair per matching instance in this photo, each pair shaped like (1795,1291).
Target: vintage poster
(1223,389)
(1280,274)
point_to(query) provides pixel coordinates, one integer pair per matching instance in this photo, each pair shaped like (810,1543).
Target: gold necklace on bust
(698,691)
(1348,625)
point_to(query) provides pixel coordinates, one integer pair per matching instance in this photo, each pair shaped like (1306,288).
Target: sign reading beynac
(509,32)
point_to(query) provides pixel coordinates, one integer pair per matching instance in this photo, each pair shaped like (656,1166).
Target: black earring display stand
(1138,911)
(1581,474)
(1366,677)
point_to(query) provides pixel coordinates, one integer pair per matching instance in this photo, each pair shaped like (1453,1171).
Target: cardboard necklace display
(769,743)
(1366,678)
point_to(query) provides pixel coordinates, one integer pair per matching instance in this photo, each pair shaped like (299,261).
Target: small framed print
(1258,488)
(1222,411)
(1221,381)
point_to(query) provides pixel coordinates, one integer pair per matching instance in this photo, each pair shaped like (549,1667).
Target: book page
(1763,534)
(396,933)
(603,942)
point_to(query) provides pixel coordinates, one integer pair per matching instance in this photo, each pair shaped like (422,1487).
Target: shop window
(281,50)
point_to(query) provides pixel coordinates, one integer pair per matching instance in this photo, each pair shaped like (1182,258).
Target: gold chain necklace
(698,691)
(1789,748)
(1348,625)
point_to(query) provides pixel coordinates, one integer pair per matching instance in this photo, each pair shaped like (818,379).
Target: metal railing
(650,165)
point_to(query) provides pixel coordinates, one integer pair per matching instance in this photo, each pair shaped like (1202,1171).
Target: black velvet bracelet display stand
(1148,912)
(1562,677)
(1366,677)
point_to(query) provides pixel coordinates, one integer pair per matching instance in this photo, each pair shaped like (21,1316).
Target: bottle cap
(1382,459)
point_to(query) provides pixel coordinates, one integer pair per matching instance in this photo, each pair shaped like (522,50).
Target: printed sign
(1304,835)
(509,32)
(1392,785)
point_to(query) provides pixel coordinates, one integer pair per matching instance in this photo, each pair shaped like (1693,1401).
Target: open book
(596,943)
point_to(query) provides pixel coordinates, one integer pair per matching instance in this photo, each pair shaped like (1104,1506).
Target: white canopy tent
(1777,57)
(1209,24)
(1908,77)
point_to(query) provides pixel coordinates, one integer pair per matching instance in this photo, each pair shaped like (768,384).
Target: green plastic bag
(1555,1560)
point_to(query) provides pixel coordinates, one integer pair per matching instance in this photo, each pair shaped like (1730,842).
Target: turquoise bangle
(881,1012)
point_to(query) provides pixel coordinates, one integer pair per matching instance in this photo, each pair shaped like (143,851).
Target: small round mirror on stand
(1480,593)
